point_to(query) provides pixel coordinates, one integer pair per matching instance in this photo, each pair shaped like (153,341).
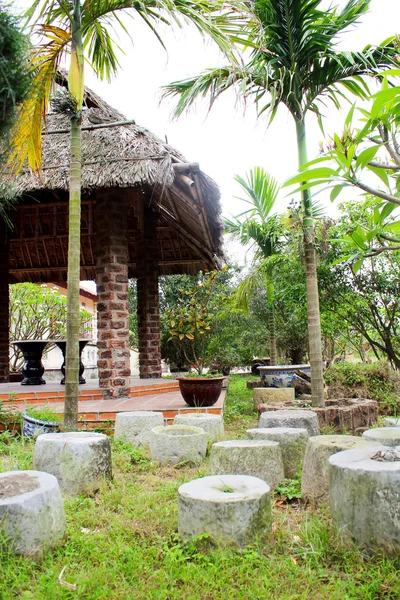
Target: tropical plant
(294,62)
(38,312)
(84,30)
(263,230)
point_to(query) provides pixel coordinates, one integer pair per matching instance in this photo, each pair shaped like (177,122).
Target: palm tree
(294,62)
(82,29)
(262,229)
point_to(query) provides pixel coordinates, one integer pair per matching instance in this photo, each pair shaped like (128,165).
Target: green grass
(122,542)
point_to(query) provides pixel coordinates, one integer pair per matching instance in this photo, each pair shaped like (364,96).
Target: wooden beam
(90,127)
(177,261)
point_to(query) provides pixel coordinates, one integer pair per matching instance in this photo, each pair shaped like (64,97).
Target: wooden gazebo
(146,212)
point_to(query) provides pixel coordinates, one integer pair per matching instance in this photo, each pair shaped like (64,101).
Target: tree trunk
(314,322)
(271,325)
(75,85)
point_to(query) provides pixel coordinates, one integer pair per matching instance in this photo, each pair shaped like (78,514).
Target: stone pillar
(147,295)
(112,289)
(4,304)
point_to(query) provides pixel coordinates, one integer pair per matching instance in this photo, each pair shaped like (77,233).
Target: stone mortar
(176,443)
(232,509)
(32,515)
(79,460)
(213,425)
(364,498)
(385,436)
(305,419)
(135,427)
(257,458)
(292,441)
(315,475)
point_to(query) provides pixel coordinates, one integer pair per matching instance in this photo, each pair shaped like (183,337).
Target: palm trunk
(271,325)
(74,229)
(314,322)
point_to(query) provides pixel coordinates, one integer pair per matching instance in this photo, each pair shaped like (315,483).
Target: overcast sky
(229,140)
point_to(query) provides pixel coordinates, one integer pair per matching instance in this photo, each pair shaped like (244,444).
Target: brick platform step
(100,414)
(55,393)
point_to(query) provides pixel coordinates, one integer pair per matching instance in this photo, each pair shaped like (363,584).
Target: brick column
(147,295)
(4,304)
(112,289)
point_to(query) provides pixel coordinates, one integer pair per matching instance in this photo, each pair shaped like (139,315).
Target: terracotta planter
(200,392)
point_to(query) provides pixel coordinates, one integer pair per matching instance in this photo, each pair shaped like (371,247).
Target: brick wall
(4,305)
(148,301)
(112,289)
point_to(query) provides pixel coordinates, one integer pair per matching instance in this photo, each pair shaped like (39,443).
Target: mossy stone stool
(257,458)
(79,460)
(135,427)
(364,496)
(31,512)
(231,509)
(303,419)
(213,425)
(292,441)
(385,436)
(315,478)
(175,443)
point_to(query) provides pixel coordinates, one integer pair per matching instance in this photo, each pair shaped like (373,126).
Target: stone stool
(257,458)
(315,478)
(364,496)
(31,512)
(266,395)
(135,427)
(213,425)
(79,460)
(292,441)
(385,436)
(175,443)
(303,419)
(391,422)
(232,509)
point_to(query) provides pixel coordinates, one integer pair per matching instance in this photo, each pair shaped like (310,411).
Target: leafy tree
(37,312)
(263,230)
(84,30)
(294,62)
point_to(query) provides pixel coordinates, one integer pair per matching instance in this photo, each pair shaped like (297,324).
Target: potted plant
(190,327)
(38,420)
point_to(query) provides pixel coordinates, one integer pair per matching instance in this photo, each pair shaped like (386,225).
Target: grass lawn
(122,542)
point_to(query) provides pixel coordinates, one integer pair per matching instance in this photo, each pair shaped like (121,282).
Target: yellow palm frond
(26,138)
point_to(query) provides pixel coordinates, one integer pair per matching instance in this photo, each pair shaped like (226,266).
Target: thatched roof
(130,160)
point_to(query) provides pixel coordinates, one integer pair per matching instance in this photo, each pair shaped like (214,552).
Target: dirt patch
(16,484)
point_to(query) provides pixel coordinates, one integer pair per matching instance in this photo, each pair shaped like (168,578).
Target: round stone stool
(178,442)
(303,419)
(135,427)
(257,458)
(292,441)
(364,497)
(213,425)
(315,477)
(31,512)
(232,509)
(79,460)
(385,436)
(391,422)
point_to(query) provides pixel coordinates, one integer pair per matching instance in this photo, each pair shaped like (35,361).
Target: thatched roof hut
(125,159)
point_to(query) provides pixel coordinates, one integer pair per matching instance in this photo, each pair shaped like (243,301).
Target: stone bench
(231,509)
(303,419)
(213,425)
(257,458)
(364,497)
(79,460)
(176,443)
(135,427)
(32,515)
(315,477)
(292,441)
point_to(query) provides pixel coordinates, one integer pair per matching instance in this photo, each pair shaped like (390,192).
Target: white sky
(228,141)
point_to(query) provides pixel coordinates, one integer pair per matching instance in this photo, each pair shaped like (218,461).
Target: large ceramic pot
(32,427)
(200,392)
(281,376)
